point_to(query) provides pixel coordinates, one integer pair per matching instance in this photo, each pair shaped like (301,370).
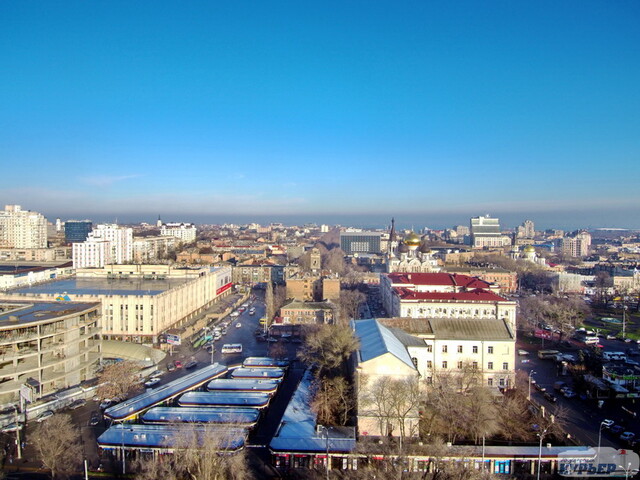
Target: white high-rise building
(186,232)
(485,233)
(22,228)
(106,244)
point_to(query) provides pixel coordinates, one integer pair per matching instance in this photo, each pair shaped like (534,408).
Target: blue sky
(421,110)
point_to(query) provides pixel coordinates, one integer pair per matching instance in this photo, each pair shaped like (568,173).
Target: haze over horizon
(429,112)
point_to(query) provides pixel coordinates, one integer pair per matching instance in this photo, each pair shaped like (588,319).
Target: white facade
(22,228)
(106,244)
(485,233)
(147,249)
(186,232)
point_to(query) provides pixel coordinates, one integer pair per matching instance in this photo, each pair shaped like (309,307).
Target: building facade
(105,245)
(150,249)
(22,228)
(186,232)
(577,245)
(360,242)
(77,230)
(47,345)
(485,233)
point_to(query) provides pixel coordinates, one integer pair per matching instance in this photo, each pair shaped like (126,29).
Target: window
(474,349)
(505,366)
(459,348)
(414,360)
(444,365)
(475,365)
(490,366)
(460,365)
(429,364)
(444,349)
(490,382)
(429,348)
(501,382)
(489,349)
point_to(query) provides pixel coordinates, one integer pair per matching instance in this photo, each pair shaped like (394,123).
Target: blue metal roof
(376,340)
(135,437)
(217,415)
(242,385)
(264,362)
(137,404)
(105,286)
(265,373)
(219,399)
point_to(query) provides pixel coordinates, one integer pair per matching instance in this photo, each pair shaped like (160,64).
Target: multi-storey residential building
(360,242)
(444,295)
(150,249)
(577,245)
(106,244)
(35,254)
(254,271)
(47,345)
(77,230)
(22,228)
(485,233)
(305,313)
(186,232)
(309,288)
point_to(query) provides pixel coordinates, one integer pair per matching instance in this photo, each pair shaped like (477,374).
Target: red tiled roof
(439,278)
(477,295)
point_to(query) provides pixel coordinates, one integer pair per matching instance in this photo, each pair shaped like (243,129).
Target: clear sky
(423,110)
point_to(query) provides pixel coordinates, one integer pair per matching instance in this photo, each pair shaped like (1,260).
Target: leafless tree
(277,350)
(334,261)
(332,400)
(154,469)
(328,346)
(57,443)
(119,380)
(269,301)
(349,307)
(197,455)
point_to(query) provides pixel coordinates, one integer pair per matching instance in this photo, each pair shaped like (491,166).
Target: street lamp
(539,456)
(325,431)
(208,330)
(529,392)
(599,439)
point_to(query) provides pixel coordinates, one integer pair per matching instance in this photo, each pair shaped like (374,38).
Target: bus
(548,354)
(232,348)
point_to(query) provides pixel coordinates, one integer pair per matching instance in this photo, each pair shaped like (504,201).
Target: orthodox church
(411,255)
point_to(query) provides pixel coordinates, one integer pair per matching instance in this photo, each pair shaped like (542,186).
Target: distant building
(52,254)
(311,288)
(258,272)
(306,313)
(485,233)
(526,230)
(105,245)
(411,255)
(576,245)
(505,279)
(22,228)
(186,232)
(77,230)
(360,242)
(150,249)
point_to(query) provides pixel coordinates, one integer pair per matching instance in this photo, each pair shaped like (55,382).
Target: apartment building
(22,228)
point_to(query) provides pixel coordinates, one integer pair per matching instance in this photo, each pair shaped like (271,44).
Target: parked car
(156,373)
(106,403)
(616,429)
(191,365)
(539,387)
(95,419)
(12,427)
(568,393)
(44,416)
(238,325)
(152,383)
(177,364)
(522,352)
(550,397)
(81,402)
(627,436)
(171,367)
(611,337)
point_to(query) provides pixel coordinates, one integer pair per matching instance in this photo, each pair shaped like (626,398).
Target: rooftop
(448,329)
(477,295)
(14,313)
(104,286)
(438,278)
(376,340)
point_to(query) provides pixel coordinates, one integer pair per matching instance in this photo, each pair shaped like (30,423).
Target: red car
(178,364)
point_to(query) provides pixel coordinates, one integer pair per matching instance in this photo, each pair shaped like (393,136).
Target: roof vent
(14,318)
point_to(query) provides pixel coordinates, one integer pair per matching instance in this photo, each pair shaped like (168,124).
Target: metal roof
(242,385)
(227,416)
(471,329)
(137,404)
(376,340)
(264,362)
(220,399)
(266,373)
(132,436)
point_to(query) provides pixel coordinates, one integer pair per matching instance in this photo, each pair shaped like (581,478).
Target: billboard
(173,339)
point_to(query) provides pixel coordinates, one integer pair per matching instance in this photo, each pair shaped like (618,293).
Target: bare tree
(350,301)
(197,454)
(277,350)
(153,469)
(334,261)
(328,346)
(332,400)
(119,380)
(57,443)
(269,301)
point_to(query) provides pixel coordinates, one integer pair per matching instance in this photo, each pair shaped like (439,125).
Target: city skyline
(430,113)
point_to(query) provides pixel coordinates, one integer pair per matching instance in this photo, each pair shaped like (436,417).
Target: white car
(606,423)
(44,416)
(522,352)
(152,383)
(238,325)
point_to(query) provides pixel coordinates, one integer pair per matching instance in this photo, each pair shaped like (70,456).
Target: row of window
(501,381)
(445,365)
(474,349)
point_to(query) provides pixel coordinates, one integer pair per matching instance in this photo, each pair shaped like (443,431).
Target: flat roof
(236,399)
(104,286)
(137,404)
(19,313)
(218,415)
(167,436)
